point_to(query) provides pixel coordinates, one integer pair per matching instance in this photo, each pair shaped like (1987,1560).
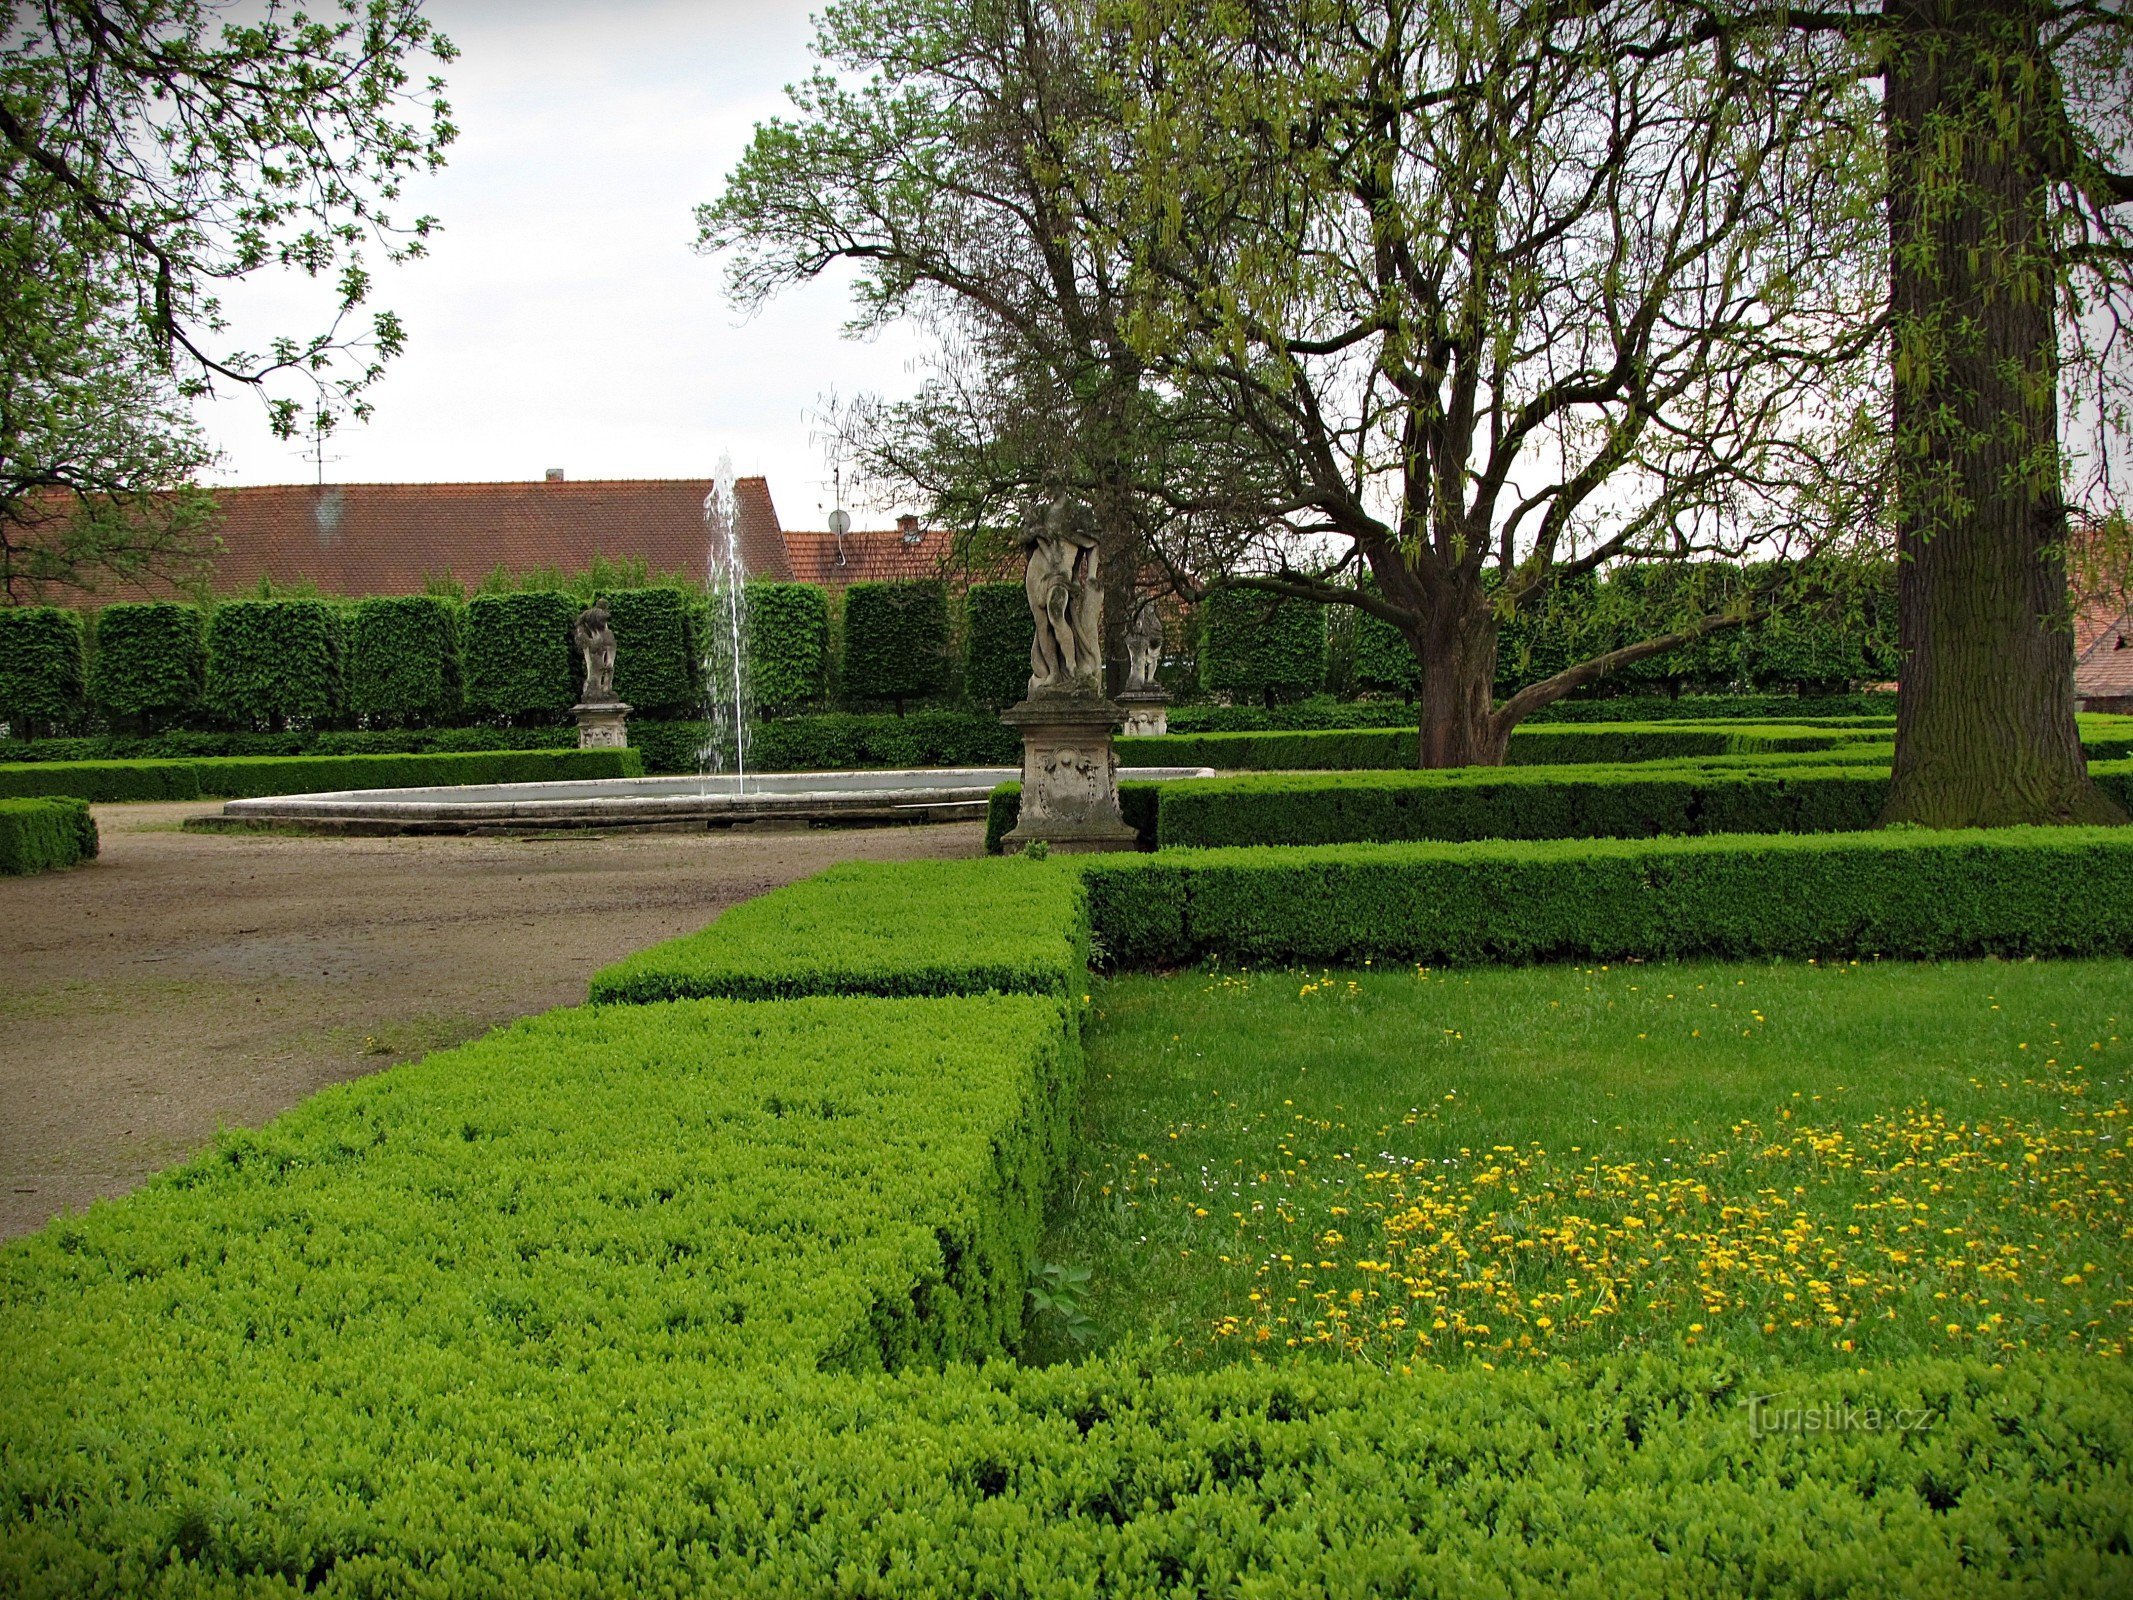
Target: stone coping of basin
(674,798)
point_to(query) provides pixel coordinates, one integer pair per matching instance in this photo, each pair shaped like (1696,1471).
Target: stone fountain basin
(833,799)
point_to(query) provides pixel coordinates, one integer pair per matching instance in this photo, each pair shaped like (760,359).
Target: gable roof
(2103,660)
(872,556)
(391,538)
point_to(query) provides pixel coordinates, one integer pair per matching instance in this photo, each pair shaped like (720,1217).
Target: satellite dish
(840,522)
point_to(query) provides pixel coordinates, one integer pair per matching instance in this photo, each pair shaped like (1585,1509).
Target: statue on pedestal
(1144,646)
(596,642)
(1066,656)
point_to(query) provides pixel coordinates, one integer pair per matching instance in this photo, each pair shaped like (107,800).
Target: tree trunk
(1985,731)
(1456,645)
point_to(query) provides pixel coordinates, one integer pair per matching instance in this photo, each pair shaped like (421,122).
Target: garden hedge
(150,659)
(895,640)
(838,741)
(39,835)
(270,660)
(247,777)
(519,657)
(191,744)
(655,664)
(1261,646)
(998,633)
(1323,711)
(916,928)
(404,659)
(1533,803)
(1377,749)
(1381,657)
(1897,893)
(787,645)
(41,665)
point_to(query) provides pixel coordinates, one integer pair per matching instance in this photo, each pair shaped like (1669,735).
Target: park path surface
(185,982)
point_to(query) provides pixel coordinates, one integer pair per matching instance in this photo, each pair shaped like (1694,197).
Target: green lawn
(1806,1164)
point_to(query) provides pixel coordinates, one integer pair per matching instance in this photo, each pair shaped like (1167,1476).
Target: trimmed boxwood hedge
(655,665)
(1260,645)
(41,665)
(1902,893)
(270,660)
(998,633)
(895,640)
(1381,749)
(519,658)
(150,659)
(1533,803)
(403,659)
(935,927)
(786,645)
(838,741)
(248,777)
(40,835)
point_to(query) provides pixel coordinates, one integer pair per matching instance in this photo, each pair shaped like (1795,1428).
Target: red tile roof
(391,538)
(2103,662)
(869,556)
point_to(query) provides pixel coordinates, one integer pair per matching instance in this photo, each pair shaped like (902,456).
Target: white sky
(561,318)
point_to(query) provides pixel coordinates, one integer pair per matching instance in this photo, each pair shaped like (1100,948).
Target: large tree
(153,153)
(1494,296)
(958,153)
(2009,268)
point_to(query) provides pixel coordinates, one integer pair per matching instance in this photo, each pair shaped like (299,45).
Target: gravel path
(185,982)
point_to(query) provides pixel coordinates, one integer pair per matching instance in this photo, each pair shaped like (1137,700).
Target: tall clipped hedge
(150,660)
(519,659)
(1383,658)
(895,640)
(403,659)
(270,660)
(40,666)
(997,643)
(787,645)
(655,668)
(1261,646)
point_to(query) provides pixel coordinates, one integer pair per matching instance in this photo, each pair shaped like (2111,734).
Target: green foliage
(913,928)
(1261,646)
(40,835)
(1534,803)
(895,640)
(841,741)
(1322,711)
(1913,894)
(403,659)
(269,660)
(1383,659)
(150,661)
(245,777)
(1364,749)
(187,744)
(40,665)
(519,657)
(997,645)
(655,658)
(787,646)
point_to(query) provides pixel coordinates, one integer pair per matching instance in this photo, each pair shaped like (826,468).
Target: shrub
(996,665)
(404,660)
(839,741)
(1261,646)
(519,658)
(246,777)
(1383,658)
(655,665)
(40,666)
(937,927)
(895,640)
(1533,803)
(270,660)
(787,645)
(150,660)
(40,835)
(2010,891)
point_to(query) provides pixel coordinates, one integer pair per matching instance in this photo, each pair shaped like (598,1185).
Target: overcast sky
(562,318)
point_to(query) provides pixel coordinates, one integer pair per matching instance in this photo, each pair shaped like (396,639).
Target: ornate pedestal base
(1069,775)
(1147,711)
(602,726)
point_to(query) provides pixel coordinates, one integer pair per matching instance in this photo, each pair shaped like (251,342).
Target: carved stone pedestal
(602,725)
(1147,711)
(1069,775)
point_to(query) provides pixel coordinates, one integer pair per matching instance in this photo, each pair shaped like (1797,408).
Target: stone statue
(1066,657)
(596,642)
(1144,647)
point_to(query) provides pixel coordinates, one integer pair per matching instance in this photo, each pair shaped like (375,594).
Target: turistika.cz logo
(1776,1413)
